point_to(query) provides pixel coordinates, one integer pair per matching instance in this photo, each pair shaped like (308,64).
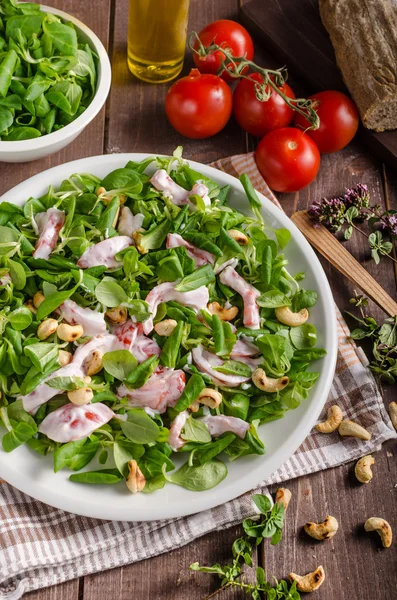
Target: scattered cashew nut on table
(136,480)
(363,470)
(283,497)
(267,384)
(225,314)
(322,531)
(334,419)
(393,414)
(310,582)
(166,327)
(285,315)
(352,429)
(382,527)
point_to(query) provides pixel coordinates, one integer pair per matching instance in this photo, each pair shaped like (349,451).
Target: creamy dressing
(49,225)
(70,422)
(163,389)
(219,424)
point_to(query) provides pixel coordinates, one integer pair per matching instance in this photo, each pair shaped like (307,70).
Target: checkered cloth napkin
(41,546)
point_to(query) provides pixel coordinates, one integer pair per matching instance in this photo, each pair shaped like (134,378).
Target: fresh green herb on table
(383,338)
(269,524)
(344,212)
(47,75)
(113,344)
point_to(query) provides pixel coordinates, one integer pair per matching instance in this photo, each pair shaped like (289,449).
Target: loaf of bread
(364,37)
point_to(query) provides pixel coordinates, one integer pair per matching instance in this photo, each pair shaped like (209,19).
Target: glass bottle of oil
(157,38)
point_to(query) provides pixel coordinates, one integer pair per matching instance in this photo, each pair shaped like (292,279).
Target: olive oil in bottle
(157,38)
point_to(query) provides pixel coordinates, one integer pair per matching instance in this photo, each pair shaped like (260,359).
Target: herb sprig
(383,338)
(344,212)
(269,525)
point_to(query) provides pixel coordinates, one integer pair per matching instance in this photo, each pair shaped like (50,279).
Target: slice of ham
(103,253)
(92,321)
(244,348)
(177,194)
(70,422)
(200,257)
(219,424)
(163,389)
(50,224)
(77,368)
(196,299)
(249,294)
(206,361)
(174,439)
(128,222)
(141,346)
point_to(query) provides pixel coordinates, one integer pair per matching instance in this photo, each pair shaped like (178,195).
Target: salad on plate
(147,327)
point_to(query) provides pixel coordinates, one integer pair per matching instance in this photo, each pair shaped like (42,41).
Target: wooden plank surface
(356,566)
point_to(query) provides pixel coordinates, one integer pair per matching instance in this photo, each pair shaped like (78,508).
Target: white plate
(33,474)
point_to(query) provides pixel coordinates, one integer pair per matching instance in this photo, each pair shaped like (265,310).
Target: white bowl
(34,475)
(28,150)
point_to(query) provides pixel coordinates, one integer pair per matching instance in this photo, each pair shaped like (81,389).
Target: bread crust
(364,37)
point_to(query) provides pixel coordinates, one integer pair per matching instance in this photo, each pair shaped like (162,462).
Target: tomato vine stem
(272,78)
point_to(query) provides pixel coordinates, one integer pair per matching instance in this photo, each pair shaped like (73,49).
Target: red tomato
(288,159)
(199,106)
(230,35)
(256,117)
(338,121)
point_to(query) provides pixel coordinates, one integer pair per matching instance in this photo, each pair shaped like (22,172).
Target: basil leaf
(119,363)
(17,274)
(208,451)
(199,478)
(42,354)
(234,367)
(201,277)
(124,180)
(194,386)
(273,299)
(224,338)
(262,502)
(195,431)
(139,376)
(104,476)
(283,237)
(170,350)
(140,428)
(75,455)
(20,318)
(110,293)
(304,336)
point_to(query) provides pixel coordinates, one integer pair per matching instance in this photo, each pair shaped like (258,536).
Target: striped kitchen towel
(42,546)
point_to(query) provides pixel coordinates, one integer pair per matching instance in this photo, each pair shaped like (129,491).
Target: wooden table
(356,567)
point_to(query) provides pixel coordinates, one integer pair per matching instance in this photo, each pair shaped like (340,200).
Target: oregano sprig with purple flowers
(344,212)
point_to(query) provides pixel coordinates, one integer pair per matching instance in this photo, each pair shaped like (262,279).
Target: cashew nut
(64,357)
(117,315)
(194,407)
(267,384)
(225,314)
(238,236)
(382,527)
(166,327)
(210,397)
(393,414)
(81,396)
(334,419)
(363,470)
(95,364)
(38,298)
(283,496)
(47,328)
(310,582)
(29,304)
(352,429)
(285,315)
(136,480)
(69,333)
(322,531)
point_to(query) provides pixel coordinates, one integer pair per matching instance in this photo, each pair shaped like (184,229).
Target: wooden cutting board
(292,31)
